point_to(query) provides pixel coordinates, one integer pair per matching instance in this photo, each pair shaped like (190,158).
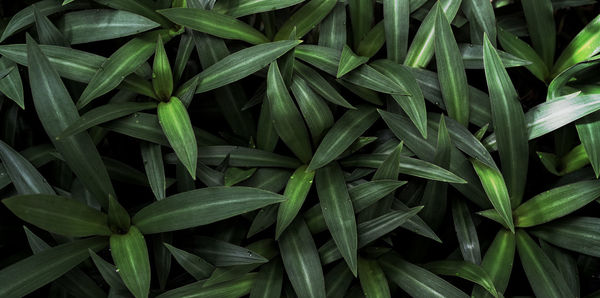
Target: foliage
(169,148)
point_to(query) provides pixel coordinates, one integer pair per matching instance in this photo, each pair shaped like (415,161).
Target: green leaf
(242,157)
(345,131)
(214,24)
(513,45)
(234,176)
(551,115)
(396,17)
(223,254)
(415,280)
(338,280)
(332,30)
(286,118)
(58,215)
(120,64)
(118,218)
(24,176)
(465,270)
(47,32)
(468,241)
(176,125)
(31,273)
(108,271)
(317,115)
(239,65)
(472,55)
(25,17)
(305,18)
(142,8)
(240,8)
(566,265)
(104,114)
(583,46)
(153,164)
(556,203)
(162,76)
(266,135)
(296,190)
(56,111)
(498,262)
(320,85)
(193,264)
(509,124)
(407,165)
(200,207)
(542,31)
(301,260)
(130,254)
(580,234)
(421,49)
(481,20)
(452,76)
(372,279)
(237,287)
(544,278)
(328,60)
(91,25)
(496,190)
(11,85)
(338,212)
(71,64)
(413,105)
(349,61)
(269,281)
(373,41)
(75,282)
(361,17)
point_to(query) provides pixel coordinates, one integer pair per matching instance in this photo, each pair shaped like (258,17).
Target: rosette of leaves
(299,148)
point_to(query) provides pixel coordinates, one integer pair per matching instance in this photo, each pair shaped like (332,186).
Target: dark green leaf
(200,207)
(305,18)
(465,270)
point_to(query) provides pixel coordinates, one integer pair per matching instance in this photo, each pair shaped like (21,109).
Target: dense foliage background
(170,148)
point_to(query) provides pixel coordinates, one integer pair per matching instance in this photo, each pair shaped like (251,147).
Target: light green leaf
(556,203)
(452,76)
(296,190)
(237,287)
(465,270)
(496,190)
(498,262)
(349,61)
(130,254)
(200,207)
(583,46)
(472,55)
(176,125)
(509,124)
(162,76)
(332,30)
